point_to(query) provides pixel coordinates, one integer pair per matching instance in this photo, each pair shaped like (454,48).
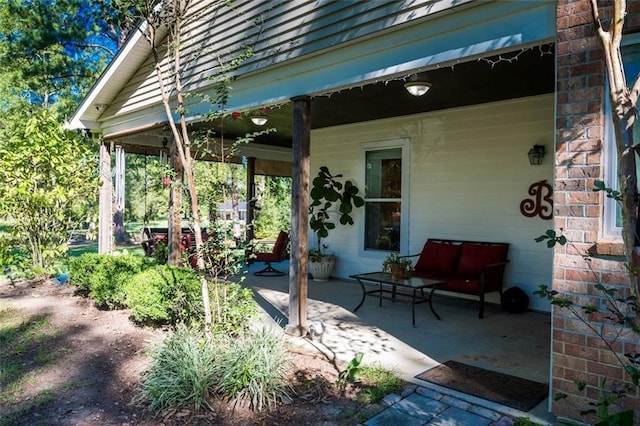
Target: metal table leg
(364,295)
(433,289)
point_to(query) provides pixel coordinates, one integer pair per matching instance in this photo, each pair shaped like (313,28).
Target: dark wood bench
(468,267)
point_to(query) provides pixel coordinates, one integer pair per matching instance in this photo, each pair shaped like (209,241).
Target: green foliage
(52,51)
(48,178)
(164,295)
(552,238)
(328,190)
(352,372)
(254,369)
(183,372)
(169,295)
(161,253)
(274,208)
(104,277)
(377,382)
(610,192)
(14,254)
(233,308)
(145,196)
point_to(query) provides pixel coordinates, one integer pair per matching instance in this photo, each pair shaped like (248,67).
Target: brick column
(577,354)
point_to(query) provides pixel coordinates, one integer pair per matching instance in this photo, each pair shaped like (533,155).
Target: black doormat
(514,392)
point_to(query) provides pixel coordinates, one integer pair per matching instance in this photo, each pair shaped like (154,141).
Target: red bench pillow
(475,256)
(439,258)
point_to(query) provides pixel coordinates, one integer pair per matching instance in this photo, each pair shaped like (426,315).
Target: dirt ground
(85,365)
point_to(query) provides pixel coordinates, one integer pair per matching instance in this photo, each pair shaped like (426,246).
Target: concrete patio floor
(515,344)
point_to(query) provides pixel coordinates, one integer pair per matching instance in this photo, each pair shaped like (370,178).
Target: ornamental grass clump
(190,368)
(183,372)
(254,368)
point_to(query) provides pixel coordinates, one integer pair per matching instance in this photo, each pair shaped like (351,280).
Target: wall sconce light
(536,154)
(259,120)
(417,88)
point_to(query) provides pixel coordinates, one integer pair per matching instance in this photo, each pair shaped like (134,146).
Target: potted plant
(399,267)
(327,192)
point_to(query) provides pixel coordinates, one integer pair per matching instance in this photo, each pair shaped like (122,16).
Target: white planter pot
(321,269)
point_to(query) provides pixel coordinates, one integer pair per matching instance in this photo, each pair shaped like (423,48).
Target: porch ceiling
(469,83)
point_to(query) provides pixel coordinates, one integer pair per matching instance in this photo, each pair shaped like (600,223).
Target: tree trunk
(623,108)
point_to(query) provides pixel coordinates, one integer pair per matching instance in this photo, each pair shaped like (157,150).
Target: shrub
(164,295)
(183,371)
(170,295)
(254,369)
(233,308)
(103,276)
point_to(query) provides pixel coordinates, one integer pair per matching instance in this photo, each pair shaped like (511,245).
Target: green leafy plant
(46,174)
(327,191)
(352,372)
(398,266)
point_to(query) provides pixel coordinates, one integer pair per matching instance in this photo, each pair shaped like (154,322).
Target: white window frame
(404,145)
(609,229)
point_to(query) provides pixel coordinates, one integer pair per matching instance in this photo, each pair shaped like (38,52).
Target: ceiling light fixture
(417,88)
(259,120)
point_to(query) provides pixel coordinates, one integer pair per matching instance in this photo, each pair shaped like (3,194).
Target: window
(383,199)
(612,210)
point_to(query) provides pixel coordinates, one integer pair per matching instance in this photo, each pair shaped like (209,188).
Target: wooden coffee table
(388,285)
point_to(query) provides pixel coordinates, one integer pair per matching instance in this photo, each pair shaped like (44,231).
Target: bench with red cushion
(468,267)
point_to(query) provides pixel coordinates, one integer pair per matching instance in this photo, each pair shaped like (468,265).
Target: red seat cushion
(281,243)
(475,256)
(278,251)
(440,258)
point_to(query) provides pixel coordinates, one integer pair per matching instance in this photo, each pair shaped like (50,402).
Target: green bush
(254,369)
(183,371)
(165,295)
(170,295)
(233,308)
(103,276)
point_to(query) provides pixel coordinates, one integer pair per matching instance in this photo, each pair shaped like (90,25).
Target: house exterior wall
(318,47)
(469,172)
(580,160)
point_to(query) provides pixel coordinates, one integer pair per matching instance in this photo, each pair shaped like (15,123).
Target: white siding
(469,173)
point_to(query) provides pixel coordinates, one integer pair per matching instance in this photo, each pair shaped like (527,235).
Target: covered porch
(513,344)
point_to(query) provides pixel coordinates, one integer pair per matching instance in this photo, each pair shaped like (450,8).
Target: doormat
(514,392)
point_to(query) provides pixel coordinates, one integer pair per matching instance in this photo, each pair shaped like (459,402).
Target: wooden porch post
(299,217)
(175,208)
(104,200)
